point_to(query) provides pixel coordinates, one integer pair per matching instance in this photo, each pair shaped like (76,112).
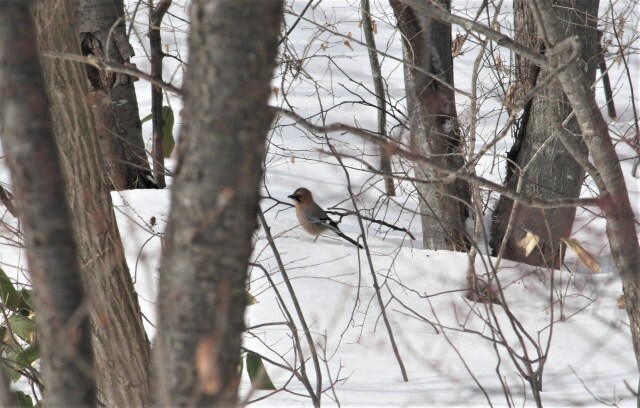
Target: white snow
(573,312)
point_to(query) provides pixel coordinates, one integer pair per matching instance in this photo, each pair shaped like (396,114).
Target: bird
(313,218)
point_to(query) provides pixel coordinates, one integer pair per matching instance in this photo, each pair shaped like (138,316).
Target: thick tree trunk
(102,34)
(39,190)
(215,196)
(434,126)
(547,169)
(621,228)
(120,342)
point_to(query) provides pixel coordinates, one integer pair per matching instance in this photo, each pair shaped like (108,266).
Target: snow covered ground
(453,357)
(572,313)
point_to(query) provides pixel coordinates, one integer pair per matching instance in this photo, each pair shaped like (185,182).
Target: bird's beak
(291,197)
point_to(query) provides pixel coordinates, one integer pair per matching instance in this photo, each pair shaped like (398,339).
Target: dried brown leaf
(585,256)
(456,48)
(511,96)
(529,242)
(499,65)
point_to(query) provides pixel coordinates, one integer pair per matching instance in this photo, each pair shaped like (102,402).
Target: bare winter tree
(563,58)
(606,170)
(539,164)
(215,196)
(434,127)
(122,354)
(102,34)
(39,191)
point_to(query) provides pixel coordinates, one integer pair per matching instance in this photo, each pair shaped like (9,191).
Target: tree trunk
(538,156)
(233,44)
(39,191)
(157,120)
(621,228)
(434,127)
(120,342)
(7,397)
(386,168)
(102,34)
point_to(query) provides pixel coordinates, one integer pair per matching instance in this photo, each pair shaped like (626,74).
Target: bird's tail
(341,235)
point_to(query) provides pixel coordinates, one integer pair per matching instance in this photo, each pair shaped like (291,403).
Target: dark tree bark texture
(39,191)
(121,346)
(548,170)
(215,196)
(102,34)
(434,127)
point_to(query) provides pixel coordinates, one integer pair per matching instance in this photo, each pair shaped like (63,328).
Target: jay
(313,218)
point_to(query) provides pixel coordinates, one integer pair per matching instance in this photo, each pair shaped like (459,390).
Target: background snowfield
(573,312)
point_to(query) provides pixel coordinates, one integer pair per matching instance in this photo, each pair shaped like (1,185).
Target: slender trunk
(120,343)
(155,45)
(233,44)
(39,190)
(386,167)
(7,397)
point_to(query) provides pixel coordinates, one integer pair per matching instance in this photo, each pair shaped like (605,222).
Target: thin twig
(307,333)
(376,286)
(633,98)
(397,150)
(103,65)
(503,40)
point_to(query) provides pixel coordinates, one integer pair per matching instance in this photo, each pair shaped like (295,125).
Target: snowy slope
(572,312)
(464,362)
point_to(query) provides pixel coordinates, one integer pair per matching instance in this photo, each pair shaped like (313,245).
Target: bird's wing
(326,221)
(333,226)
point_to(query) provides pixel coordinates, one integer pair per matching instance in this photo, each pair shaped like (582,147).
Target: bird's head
(301,195)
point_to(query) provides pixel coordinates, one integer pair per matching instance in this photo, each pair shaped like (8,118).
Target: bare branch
(395,149)
(104,65)
(501,39)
